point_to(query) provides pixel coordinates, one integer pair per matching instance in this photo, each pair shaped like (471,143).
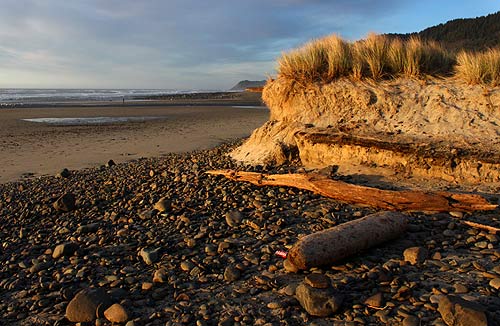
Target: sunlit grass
(380,57)
(479,68)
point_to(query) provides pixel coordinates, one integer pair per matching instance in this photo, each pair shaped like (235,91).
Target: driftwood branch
(355,194)
(480,226)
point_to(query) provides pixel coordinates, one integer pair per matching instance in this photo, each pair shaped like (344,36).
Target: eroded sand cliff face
(447,122)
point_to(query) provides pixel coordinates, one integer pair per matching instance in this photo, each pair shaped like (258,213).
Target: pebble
(231,274)
(415,255)
(149,256)
(233,218)
(318,281)
(411,321)
(495,283)
(64,173)
(376,300)
(65,203)
(64,249)
(163,205)
(116,314)
(318,302)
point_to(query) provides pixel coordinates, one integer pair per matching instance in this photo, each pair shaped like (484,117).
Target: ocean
(32,95)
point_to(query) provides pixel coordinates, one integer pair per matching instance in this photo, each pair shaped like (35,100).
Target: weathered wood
(480,226)
(355,194)
(328,246)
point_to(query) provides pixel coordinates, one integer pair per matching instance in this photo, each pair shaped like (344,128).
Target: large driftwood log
(355,194)
(328,246)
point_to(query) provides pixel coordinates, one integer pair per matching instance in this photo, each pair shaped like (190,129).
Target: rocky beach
(159,242)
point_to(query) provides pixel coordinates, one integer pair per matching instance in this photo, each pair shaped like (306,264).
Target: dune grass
(380,57)
(479,68)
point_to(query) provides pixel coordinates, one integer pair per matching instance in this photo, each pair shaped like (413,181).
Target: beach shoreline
(32,149)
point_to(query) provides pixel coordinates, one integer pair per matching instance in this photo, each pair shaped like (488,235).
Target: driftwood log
(328,246)
(354,194)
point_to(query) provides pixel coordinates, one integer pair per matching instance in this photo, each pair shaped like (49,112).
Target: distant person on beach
(123,100)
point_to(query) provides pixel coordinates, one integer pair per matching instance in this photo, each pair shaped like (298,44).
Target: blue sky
(188,44)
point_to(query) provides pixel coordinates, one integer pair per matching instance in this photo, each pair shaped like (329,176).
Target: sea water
(33,95)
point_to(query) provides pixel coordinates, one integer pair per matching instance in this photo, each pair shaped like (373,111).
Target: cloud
(176,42)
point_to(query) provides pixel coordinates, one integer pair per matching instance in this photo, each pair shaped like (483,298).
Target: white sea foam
(91,120)
(16,95)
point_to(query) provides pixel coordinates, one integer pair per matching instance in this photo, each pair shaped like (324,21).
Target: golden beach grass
(378,56)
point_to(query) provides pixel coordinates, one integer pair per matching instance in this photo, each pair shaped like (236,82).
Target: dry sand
(30,149)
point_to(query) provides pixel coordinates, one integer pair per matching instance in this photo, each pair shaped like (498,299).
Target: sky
(188,44)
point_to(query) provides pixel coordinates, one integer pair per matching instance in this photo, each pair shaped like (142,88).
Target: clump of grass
(479,68)
(374,51)
(339,57)
(378,56)
(306,64)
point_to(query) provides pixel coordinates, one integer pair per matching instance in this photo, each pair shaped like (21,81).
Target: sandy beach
(31,149)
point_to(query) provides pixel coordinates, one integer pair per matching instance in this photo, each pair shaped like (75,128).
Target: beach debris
(65,203)
(85,305)
(110,163)
(328,246)
(281,253)
(321,300)
(475,225)
(456,311)
(383,199)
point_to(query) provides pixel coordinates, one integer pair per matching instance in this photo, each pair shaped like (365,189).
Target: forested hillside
(471,34)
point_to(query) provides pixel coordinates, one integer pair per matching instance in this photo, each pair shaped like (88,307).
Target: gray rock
(317,281)
(415,255)
(83,307)
(88,228)
(318,302)
(149,256)
(233,218)
(160,276)
(411,321)
(231,274)
(64,173)
(376,300)
(456,311)
(65,249)
(65,203)
(163,205)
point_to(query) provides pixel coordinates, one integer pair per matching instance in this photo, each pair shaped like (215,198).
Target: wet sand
(30,149)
